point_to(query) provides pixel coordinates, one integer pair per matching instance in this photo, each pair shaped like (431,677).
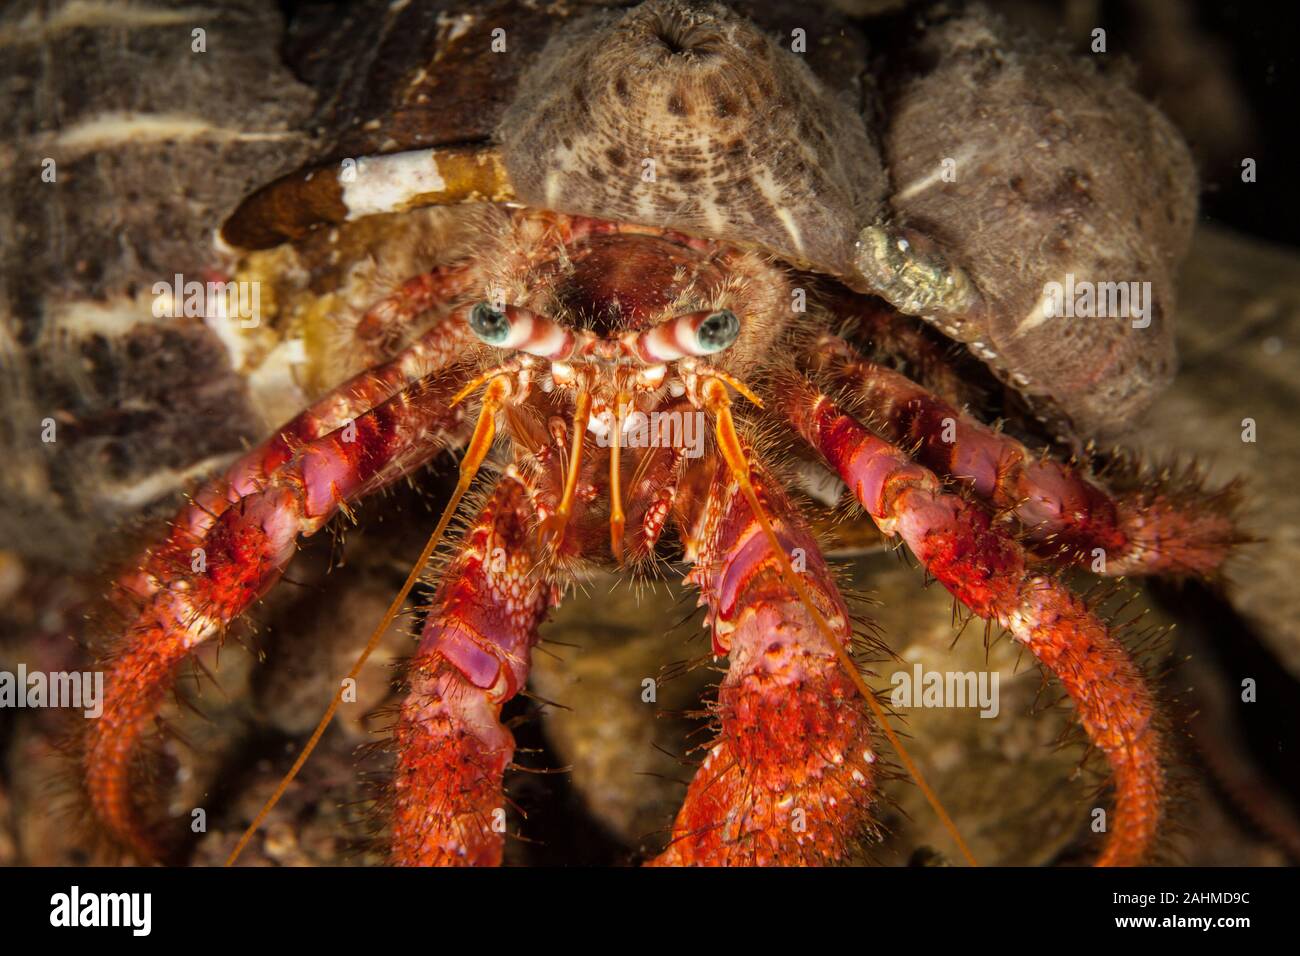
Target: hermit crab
(684,277)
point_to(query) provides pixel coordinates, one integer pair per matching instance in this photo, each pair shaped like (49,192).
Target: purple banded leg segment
(789,780)
(987,570)
(432,352)
(452,750)
(1063,514)
(209,571)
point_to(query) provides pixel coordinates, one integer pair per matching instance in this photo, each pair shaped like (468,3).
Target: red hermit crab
(687,276)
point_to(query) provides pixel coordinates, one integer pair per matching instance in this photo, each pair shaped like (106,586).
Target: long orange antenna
(718,402)
(479,445)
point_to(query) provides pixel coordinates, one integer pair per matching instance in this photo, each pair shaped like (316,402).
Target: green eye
(718,331)
(488,324)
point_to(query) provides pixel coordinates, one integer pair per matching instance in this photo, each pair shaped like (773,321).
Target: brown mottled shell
(688,116)
(1059,169)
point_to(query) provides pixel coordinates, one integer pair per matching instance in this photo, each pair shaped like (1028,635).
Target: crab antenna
(553,526)
(616,518)
(479,445)
(719,403)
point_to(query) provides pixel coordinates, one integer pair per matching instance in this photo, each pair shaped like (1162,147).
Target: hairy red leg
(209,570)
(433,351)
(1063,513)
(883,333)
(452,751)
(395,312)
(986,570)
(789,779)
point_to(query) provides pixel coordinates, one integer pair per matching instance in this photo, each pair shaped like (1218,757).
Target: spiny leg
(985,569)
(789,779)
(388,318)
(227,549)
(1064,515)
(430,353)
(452,751)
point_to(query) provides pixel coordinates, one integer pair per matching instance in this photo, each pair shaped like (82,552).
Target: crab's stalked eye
(696,333)
(514,327)
(717,331)
(491,326)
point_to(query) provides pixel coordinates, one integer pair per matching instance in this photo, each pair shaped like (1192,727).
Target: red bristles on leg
(395,313)
(223,555)
(986,570)
(790,778)
(1063,513)
(452,751)
(135,688)
(174,557)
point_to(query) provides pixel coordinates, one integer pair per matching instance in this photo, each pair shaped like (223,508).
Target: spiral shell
(689,117)
(1060,177)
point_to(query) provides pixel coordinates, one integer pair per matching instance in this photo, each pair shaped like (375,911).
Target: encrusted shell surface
(689,116)
(1059,173)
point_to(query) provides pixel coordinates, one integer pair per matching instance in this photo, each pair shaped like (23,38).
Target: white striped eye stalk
(694,334)
(513,327)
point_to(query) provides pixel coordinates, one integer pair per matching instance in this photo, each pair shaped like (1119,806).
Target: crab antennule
(986,570)
(617,520)
(717,401)
(553,526)
(473,385)
(484,431)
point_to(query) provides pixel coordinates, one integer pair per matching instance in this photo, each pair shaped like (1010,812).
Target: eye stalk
(514,327)
(718,331)
(491,326)
(695,333)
